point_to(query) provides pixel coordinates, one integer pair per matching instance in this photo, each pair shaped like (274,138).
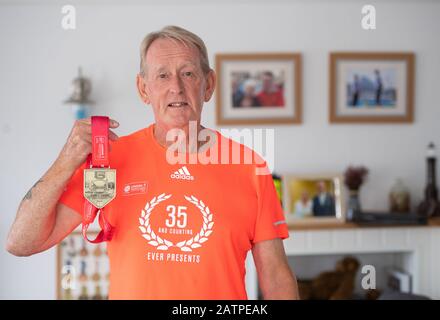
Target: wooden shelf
(322,225)
(432,222)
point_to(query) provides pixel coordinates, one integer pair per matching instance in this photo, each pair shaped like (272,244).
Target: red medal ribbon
(99,158)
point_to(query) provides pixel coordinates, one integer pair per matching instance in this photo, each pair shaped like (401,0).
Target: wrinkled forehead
(166,52)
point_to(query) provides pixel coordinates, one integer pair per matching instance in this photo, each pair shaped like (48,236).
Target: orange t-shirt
(182,231)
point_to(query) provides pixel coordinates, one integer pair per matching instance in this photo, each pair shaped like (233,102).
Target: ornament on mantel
(79,98)
(354,177)
(430,206)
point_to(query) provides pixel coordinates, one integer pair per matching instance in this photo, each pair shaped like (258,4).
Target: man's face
(174,83)
(267,82)
(321,186)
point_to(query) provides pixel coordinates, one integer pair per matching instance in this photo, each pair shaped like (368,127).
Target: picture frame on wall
(82,268)
(263,88)
(313,198)
(371,87)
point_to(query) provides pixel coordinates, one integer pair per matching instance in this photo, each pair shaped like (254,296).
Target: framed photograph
(371,87)
(258,88)
(83,270)
(313,198)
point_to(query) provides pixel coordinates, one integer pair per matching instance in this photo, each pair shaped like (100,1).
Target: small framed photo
(313,198)
(371,87)
(258,88)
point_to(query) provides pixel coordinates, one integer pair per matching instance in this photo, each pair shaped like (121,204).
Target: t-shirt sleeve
(270,221)
(73,192)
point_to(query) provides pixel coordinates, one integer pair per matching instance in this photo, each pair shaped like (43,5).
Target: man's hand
(79,143)
(41,221)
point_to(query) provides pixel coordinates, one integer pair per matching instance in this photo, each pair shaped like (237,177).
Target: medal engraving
(99,186)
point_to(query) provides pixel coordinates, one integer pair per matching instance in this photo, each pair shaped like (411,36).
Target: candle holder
(430,206)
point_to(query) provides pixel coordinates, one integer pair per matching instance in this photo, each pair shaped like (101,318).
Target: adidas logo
(182,173)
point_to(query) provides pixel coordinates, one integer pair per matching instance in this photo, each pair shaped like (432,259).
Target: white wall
(39,60)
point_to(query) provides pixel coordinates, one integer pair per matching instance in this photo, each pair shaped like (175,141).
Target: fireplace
(411,250)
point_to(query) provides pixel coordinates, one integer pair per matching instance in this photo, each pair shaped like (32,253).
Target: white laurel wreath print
(186,245)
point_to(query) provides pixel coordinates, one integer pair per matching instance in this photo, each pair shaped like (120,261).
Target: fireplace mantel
(422,243)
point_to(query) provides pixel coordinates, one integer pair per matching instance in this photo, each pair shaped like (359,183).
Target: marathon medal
(99,186)
(99,179)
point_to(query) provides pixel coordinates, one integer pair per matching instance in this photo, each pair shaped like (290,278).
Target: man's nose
(176,85)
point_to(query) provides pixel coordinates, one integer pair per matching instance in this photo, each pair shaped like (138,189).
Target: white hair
(179,34)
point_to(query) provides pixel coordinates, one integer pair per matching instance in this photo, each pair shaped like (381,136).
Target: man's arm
(277,281)
(38,214)
(41,221)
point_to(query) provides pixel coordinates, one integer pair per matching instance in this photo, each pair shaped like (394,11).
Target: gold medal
(99,186)
(99,180)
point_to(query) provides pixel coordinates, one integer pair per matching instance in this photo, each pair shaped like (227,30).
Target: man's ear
(211,80)
(140,83)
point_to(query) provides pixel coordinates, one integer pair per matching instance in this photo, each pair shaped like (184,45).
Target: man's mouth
(177,104)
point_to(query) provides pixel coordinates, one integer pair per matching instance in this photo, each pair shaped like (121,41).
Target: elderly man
(184,234)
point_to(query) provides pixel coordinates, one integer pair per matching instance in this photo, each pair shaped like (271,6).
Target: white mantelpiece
(421,243)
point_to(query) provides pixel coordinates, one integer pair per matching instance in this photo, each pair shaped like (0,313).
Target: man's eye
(162,75)
(187,73)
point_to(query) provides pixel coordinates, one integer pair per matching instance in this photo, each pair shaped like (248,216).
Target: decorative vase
(353,206)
